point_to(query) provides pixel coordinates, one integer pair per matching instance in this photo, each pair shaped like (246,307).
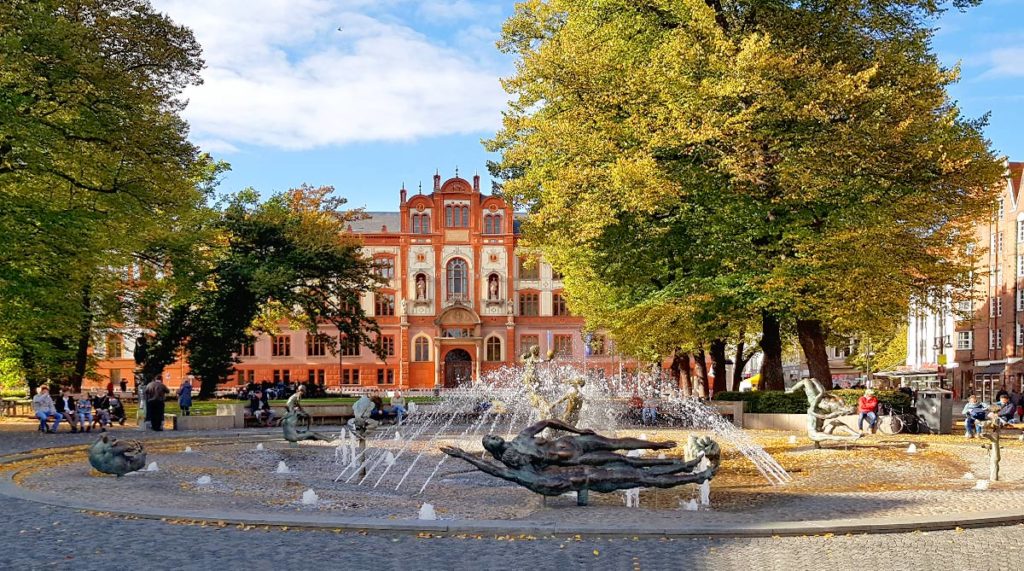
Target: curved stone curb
(504,527)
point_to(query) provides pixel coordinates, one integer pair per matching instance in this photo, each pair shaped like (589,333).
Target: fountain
(282,468)
(823,412)
(309,498)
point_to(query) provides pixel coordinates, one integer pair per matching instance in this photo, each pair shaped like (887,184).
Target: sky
(368,95)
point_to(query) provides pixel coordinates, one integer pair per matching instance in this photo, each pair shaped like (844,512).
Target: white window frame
(964,340)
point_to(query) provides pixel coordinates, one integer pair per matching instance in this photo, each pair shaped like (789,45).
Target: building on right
(988,337)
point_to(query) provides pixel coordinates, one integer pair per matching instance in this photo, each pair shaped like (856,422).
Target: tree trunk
(717,350)
(701,385)
(84,332)
(679,360)
(740,363)
(772,378)
(687,374)
(812,340)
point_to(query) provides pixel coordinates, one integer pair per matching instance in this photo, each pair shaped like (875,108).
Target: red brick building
(458,302)
(989,334)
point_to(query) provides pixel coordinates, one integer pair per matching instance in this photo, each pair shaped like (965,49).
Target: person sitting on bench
(260,408)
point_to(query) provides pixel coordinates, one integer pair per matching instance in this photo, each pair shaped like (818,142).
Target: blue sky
(405,87)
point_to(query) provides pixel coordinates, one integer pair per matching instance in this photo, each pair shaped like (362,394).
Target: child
(84,408)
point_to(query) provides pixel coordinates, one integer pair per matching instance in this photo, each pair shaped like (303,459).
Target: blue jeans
(400,413)
(648,415)
(42,416)
(973,425)
(872,420)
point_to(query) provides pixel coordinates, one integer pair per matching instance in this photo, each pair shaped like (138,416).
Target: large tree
(94,159)
(790,162)
(284,260)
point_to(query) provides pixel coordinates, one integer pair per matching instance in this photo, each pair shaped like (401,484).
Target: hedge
(779,402)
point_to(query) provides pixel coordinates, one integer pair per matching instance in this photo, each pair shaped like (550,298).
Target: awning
(996,369)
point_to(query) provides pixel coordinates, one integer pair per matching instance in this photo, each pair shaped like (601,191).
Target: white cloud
(280,74)
(1006,62)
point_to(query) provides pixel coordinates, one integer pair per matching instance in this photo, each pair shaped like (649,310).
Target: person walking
(155,394)
(185,396)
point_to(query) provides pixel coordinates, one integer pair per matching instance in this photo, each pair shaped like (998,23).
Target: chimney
(401,194)
(476,182)
(437,181)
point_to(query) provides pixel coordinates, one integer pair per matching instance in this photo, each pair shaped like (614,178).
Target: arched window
(458,279)
(493,352)
(492,224)
(424,224)
(421,349)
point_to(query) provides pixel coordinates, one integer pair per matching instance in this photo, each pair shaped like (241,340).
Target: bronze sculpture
(584,461)
(113,456)
(823,411)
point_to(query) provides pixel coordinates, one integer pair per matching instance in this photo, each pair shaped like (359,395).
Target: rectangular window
(597,345)
(421,349)
(999,307)
(558,305)
(1002,209)
(1020,299)
(252,375)
(385,376)
(964,340)
(115,348)
(1020,335)
(1000,243)
(563,345)
(556,275)
(529,269)
(316,376)
(350,347)
(529,304)
(282,346)
(277,376)
(1020,265)
(387,343)
(384,304)
(995,339)
(965,305)
(384,268)
(991,307)
(527,341)
(1020,230)
(286,376)
(247,349)
(350,377)
(315,345)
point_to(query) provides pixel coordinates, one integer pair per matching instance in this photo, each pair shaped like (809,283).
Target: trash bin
(935,411)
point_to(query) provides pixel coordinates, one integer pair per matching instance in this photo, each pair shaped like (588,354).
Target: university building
(457,302)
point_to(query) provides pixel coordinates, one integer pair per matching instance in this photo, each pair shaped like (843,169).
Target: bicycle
(894,422)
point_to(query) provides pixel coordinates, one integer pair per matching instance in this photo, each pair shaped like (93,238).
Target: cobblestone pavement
(34,536)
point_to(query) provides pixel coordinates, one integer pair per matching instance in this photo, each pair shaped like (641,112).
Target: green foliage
(767,401)
(95,163)
(12,377)
(688,165)
(894,399)
(286,258)
(779,402)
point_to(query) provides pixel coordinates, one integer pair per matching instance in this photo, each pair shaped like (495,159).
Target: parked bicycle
(897,420)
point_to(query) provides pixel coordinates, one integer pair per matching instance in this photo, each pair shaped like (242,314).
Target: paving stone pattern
(34,536)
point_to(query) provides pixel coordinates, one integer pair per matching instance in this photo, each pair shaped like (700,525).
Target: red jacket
(867,404)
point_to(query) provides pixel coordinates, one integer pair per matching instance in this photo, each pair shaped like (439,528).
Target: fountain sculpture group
(823,412)
(582,460)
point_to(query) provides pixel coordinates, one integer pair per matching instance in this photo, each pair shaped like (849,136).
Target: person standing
(124,386)
(185,396)
(155,394)
(110,388)
(867,407)
(42,406)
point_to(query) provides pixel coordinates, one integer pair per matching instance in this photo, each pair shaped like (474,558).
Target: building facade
(457,302)
(988,337)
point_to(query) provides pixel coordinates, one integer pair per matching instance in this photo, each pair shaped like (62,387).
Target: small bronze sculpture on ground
(823,411)
(118,457)
(585,461)
(296,428)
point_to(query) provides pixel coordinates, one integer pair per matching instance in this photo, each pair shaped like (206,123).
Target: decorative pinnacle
(421,187)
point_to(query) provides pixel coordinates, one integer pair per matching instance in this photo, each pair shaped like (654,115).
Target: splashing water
(501,404)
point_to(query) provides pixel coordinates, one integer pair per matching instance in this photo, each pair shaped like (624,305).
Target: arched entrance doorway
(458,368)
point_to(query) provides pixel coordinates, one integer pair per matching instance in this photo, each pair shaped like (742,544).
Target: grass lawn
(209,407)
